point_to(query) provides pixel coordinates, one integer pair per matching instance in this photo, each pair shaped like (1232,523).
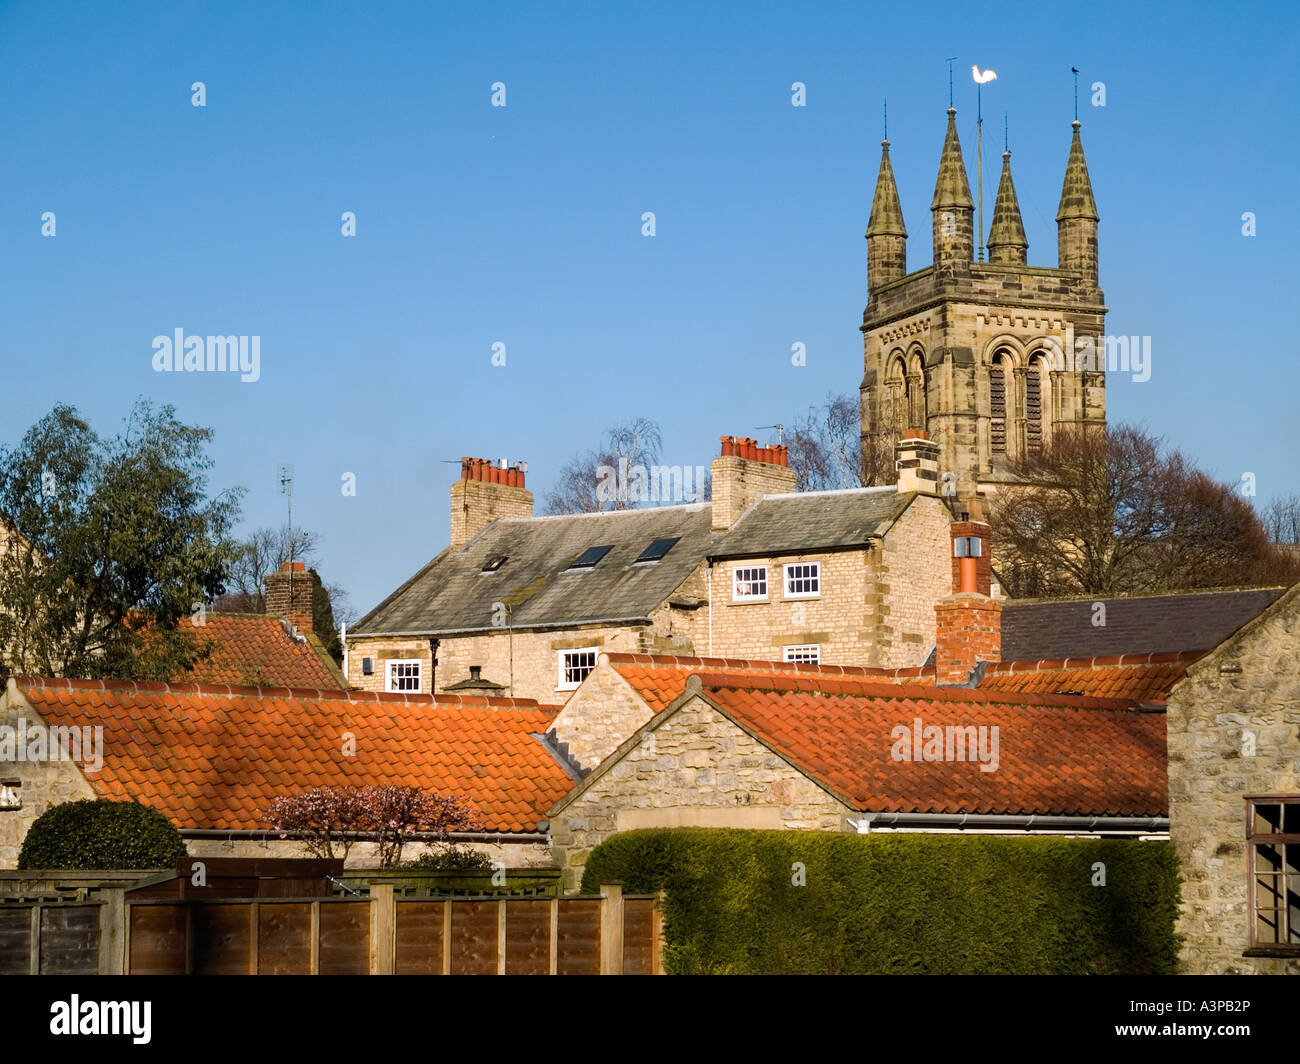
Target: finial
(1006,143)
(886,121)
(951,59)
(1075,72)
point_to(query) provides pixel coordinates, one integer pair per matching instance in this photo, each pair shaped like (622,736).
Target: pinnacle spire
(886,211)
(1076,192)
(952,189)
(1007,241)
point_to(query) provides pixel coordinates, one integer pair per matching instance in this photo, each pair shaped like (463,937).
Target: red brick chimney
(743,472)
(968,624)
(291,594)
(487,490)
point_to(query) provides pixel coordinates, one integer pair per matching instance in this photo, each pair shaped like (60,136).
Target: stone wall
(600,716)
(692,768)
(1233,730)
(39,786)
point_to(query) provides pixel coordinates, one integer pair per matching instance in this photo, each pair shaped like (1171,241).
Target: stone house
(1234,796)
(212,757)
(527,604)
(761,749)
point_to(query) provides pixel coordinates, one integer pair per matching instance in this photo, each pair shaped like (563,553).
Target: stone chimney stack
(487,490)
(744,472)
(968,624)
(917,463)
(291,594)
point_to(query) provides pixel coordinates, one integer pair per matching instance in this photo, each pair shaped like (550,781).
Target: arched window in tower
(1035,401)
(897,402)
(998,404)
(916,396)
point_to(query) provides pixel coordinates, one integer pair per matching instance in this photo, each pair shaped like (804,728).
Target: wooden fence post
(501,936)
(611,929)
(34,942)
(554,963)
(383,925)
(112,932)
(254,927)
(657,935)
(446,936)
(313,944)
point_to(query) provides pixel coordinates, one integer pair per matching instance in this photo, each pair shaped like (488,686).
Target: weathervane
(980,80)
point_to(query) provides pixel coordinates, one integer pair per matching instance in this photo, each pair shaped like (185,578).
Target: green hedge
(896,903)
(101,834)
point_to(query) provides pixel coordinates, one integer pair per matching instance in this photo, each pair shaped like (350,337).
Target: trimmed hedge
(101,834)
(899,904)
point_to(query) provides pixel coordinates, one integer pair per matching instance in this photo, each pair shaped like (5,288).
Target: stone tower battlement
(978,354)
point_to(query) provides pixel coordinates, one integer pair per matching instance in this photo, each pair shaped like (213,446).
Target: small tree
(331,819)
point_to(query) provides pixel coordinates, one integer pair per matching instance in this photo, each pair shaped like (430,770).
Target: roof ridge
(605,513)
(1121,661)
(59,683)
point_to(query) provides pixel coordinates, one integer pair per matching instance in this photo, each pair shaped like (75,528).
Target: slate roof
(213,757)
(1147,624)
(452,594)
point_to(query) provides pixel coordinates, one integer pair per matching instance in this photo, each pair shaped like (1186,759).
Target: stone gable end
(1246,693)
(692,768)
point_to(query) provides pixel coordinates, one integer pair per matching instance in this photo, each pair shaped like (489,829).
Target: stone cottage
(1234,795)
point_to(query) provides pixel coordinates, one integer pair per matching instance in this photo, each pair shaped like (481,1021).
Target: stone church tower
(981,355)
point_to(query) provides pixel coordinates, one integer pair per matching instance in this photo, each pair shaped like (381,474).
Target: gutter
(1136,825)
(257,834)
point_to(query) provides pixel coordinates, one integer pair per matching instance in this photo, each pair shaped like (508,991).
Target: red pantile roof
(1144,677)
(213,757)
(258,650)
(660,679)
(1057,755)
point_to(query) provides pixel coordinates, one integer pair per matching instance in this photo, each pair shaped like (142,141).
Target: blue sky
(522,225)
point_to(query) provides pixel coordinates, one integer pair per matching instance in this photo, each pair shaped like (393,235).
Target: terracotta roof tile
(256,650)
(214,756)
(1144,677)
(1057,755)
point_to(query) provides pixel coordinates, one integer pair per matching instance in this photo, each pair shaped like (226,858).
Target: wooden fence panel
(157,939)
(15,940)
(474,937)
(638,936)
(220,942)
(419,937)
(284,945)
(70,940)
(528,937)
(344,938)
(579,937)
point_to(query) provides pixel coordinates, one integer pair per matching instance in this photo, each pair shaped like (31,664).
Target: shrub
(895,903)
(447,859)
(101,834)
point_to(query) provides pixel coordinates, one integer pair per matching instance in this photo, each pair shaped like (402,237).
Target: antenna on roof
(286,489)
(780,428)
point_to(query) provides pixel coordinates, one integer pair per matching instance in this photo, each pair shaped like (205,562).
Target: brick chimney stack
(743,472)
(917,463)
(968,624)
(487,490)
(291,594)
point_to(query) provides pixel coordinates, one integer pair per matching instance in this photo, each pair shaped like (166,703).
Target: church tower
(981,355)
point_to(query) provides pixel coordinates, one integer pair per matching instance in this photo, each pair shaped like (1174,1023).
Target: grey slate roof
(452,594)
(1149,624)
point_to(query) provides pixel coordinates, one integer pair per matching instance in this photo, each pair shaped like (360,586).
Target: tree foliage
(578,487)
(331,819)
(829,450)
(105,539)
(1113,511)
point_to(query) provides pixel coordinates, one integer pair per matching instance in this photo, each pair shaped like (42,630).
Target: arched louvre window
(998,405)
(916,398)
(1034,407)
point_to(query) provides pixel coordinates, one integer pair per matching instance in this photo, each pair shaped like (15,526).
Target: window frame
(563,684)
(388,676)
(1256,948)
(816,577)
(785,653)
(735,583)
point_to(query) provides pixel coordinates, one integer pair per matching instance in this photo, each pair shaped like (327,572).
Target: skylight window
(589,557)
(494,563)
(657,549)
